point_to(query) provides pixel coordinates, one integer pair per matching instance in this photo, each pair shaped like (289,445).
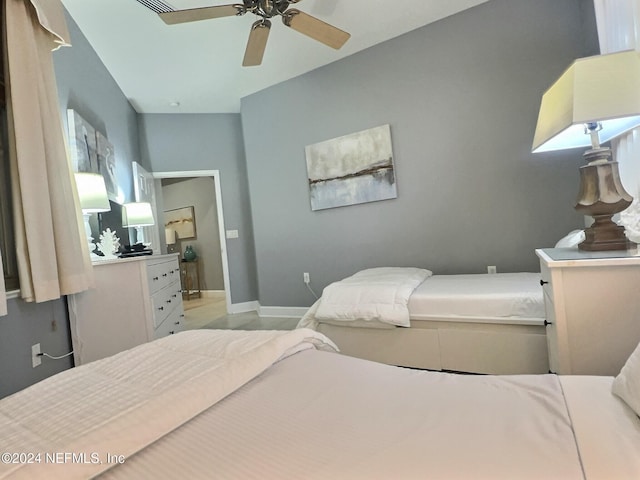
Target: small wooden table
(190,275)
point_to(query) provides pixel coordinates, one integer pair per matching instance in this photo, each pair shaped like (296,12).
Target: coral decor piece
(109,244)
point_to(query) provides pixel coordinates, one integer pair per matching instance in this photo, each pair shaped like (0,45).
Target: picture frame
(107,165)
(182,221)
(92,152)
(352,169)
(82,144)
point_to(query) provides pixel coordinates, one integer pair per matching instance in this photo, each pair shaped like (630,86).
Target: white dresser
(592,301)
(135,300)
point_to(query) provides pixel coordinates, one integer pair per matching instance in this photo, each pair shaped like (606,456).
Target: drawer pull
(182,315)
(168,301)
(172,332)
(543,283)
(156,278)
(547,323)
(174,295)
(160,308)
(177,323)
(164,274)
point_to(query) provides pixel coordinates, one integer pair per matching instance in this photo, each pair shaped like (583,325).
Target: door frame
(221,229)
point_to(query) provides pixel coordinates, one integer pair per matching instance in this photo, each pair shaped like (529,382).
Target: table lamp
(137,215)
(595,100)
(92,193)
(172,240)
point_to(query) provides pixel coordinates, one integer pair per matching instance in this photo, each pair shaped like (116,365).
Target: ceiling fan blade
(203,13)
(257,43)
(315,28)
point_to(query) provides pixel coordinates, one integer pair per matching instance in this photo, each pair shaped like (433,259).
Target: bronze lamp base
(601,196)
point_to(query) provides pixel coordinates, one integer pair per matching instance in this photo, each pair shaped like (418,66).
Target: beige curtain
(53,257)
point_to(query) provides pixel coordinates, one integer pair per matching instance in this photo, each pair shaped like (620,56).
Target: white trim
(221,229)
(282,312)
(12,294)
(244,307)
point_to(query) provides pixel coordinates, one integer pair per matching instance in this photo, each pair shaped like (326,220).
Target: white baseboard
(244,307)
(282,312)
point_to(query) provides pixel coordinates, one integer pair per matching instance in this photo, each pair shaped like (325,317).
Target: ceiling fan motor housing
(267,8)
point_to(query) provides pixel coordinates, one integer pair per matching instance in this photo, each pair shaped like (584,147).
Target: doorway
(221,250)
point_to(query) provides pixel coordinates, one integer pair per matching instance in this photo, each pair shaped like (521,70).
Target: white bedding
(504,295)
(123,403)
(499,298)
(375,294)
(315,415)
(607,431)
(325,416)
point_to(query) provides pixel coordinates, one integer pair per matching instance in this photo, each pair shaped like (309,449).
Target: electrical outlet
(305,277)
(35,358)
(492,269)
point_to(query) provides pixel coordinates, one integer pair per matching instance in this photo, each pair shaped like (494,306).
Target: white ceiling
(198,64)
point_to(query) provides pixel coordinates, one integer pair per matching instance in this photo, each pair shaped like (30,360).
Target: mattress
(315,415)
(496,296)
(323,416)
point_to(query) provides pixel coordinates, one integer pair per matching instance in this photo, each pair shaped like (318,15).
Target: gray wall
(187,142)
(85,85)
(199,192)
(27,324)
(462,98)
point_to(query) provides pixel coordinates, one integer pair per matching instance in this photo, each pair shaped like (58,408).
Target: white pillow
(571,240)
(627,384)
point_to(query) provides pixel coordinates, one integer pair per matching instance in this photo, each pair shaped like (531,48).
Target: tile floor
(210,312)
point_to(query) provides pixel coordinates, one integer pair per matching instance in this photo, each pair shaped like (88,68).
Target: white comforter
(121,404)
(375,294)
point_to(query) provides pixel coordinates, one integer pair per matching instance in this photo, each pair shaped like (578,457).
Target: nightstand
(592,302)
(190,271)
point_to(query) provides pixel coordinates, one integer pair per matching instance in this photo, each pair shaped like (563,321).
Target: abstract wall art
(352,169)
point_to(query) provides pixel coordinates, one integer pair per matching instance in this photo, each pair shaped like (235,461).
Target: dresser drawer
(165,301)
(162,274)
(174,323)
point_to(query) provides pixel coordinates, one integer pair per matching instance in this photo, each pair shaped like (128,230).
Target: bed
(283,405)
(479,323)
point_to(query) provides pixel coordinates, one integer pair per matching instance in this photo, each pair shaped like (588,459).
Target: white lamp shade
(92,192)
(602,88)
(137,214)
(170,236)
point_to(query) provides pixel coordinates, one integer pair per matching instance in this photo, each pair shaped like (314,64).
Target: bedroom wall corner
(184,142)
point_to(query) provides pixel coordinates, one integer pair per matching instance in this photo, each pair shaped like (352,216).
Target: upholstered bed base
(495,346)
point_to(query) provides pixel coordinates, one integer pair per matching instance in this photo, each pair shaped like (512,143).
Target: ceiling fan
(265,9)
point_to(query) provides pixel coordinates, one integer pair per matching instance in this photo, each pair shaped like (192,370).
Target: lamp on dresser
(595,100)
(137,215)
(92,193)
